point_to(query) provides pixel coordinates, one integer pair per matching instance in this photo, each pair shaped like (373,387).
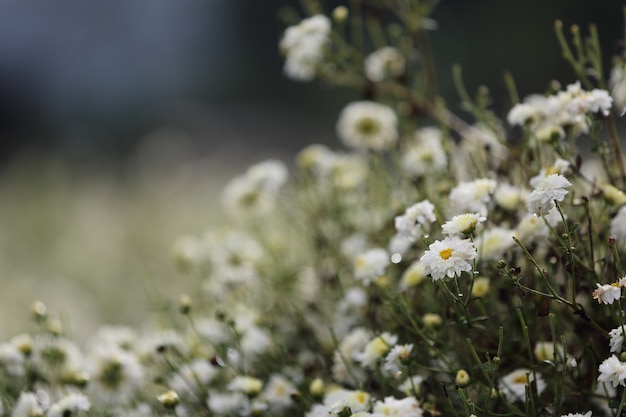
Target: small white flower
(448,257)
(521,114)
(71,404)
(513,385)
(396,358)
(617,339)
(245,384)
(27,406)
(472,196)
(607,293)
(612,370)
(278,392)
(415,219)
(462,224)
(383,63)
(367,125)
(424,153)
(376,349)
(618,226)
(550,189)
(303,45)
(390,406)
(587,414)
(493,243)
(370,265)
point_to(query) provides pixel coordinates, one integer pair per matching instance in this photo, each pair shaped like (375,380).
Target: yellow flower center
(520,379)
(446,253)
(367,126)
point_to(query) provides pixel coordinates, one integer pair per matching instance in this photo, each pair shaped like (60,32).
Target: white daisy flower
(494,243)
(617,339)
(370,265)
(376,349)
(116,375)
(513,385)
(246,384)
(303,46)
(27,405)
(424,154)
(367,125)
(472,196)
(587,414)
(551,189)
(396,358)
(71,404)
(448,258)
(618,226)
(462,224)
(386,62)
(405,407)
(612,370)
(415,219)
(617,83)
(278,392)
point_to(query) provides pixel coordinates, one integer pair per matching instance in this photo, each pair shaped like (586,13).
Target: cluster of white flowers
(548,116)
(303,46)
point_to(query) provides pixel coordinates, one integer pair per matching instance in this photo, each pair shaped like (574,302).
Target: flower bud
(169,399)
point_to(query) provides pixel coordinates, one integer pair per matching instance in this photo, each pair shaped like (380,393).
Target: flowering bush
(432,267)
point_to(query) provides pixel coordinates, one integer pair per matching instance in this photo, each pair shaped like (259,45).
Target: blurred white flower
(617,339)
(116,375)
(69,405)
(424,153)
(472,196)
(367,125)
(390,406)
(370,265)
(513,385)
(386,62)
(27,406)
(303,46)
(376,349)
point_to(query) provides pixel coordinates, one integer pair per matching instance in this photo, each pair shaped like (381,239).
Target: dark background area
(90,81)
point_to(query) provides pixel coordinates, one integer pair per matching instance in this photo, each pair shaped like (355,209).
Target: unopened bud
(340,14)
(169,399)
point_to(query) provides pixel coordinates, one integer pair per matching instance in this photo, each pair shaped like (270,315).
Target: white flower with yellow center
(494,243)
(368,125)
(462,224)
(376,349)
(405,407)
(513,385)
(448,257)
(370,265)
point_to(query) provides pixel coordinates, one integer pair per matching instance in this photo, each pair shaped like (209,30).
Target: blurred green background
(120,121)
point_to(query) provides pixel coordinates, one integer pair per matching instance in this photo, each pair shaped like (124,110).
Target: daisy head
(463,224)
(368,125)
(448,257)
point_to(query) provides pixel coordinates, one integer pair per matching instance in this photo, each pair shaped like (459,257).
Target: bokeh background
(120,121)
